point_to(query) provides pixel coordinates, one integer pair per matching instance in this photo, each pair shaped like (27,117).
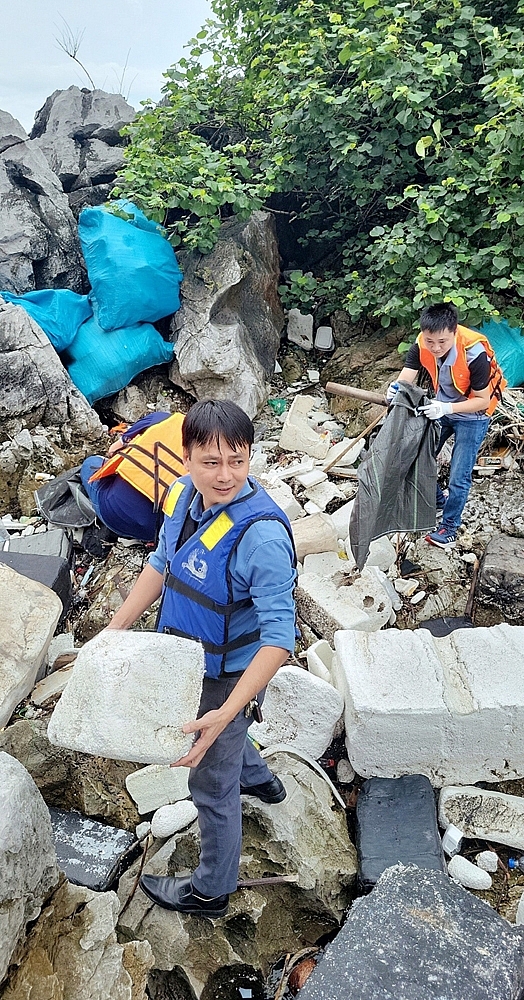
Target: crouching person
(225,568)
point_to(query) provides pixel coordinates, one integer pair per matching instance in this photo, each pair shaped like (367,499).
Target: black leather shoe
(177,894)
(270,791)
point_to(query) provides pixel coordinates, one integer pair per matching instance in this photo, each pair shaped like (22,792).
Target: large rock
(129,696)
(419,936)
(72,952)
(227,331)
(417,704)
(78,132)
(39,245)
(299,709)
(479,812)
(29,618)
(35,386)
(305,836)
(501,578)
(28,869)
(93,786)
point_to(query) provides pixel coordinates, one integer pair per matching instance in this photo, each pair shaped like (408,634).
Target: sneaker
(444,537)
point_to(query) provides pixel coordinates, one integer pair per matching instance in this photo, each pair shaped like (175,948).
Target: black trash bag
(64,502)
(397,477)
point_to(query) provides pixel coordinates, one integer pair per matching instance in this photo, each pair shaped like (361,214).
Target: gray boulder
(28,869)
(420,936)
(227,331)
(78,132)
(501,578)
(39,245)
(305,836)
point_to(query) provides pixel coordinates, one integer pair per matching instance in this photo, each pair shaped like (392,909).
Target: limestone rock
(36,386)
(129,696)
(78,131)
(39,245)
(227,331)
(444,692)
(28,869)
(467,874)
(297,435)
(299,709)
(501,577)
(492,816)
(304,835)
(31,613)
(170,819)
(92,785)
(157,785)
(314,533)
(418,934)
(72,952)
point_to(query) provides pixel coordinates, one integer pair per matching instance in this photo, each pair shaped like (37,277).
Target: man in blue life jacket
(225,567)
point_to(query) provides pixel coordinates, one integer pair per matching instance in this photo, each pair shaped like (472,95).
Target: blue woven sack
(58,312)
(101,363)
(508,344)
(133,270)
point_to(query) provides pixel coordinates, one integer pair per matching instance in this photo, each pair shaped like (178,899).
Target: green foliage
(397,128)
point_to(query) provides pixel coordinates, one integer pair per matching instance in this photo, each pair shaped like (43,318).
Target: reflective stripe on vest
(459,370)
(151,461)
(197,601)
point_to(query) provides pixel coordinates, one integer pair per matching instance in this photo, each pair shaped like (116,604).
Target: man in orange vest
(468,384)
(127,489)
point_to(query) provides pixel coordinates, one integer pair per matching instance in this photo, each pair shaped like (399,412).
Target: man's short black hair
(439,317)
(211,419)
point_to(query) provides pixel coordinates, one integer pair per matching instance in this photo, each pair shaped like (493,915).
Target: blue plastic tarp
(508,343)
(58,312)
(132,268)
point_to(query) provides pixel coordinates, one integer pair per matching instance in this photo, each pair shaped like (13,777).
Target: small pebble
(345,772)
(171,818)
(417,598)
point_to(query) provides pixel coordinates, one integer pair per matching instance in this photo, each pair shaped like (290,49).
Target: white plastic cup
(452,840)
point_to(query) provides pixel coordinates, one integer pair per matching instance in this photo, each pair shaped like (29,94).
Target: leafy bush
(396,127)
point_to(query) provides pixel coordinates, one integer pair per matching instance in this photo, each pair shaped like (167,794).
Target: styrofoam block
(314,533)
(300,709)
(311,508)
(297,435)
(341,518)
(170,819)
(319,660)
(129,695)
(338,449)
(468,874)
(327,608)
(300,329)
(157,785)
(308,479)
(323,563)
(323,493)
(434,706)
(283,496)
(288,471)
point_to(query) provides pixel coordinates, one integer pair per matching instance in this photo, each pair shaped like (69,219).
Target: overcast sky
(32,65)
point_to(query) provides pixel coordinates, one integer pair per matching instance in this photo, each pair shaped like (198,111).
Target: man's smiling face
(218,471)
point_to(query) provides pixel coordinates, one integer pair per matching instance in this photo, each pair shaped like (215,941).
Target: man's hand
(391,391)
(210,726)
(436,410)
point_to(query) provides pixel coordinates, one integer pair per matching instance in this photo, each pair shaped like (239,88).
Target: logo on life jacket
(196,566)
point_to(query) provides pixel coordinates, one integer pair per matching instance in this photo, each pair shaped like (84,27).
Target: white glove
(436,410)
(392,390)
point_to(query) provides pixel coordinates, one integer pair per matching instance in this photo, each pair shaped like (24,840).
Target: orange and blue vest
(459,370)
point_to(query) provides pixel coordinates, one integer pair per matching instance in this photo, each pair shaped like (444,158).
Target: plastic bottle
(514,863)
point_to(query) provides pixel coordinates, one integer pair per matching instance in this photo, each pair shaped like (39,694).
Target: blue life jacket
(197,600)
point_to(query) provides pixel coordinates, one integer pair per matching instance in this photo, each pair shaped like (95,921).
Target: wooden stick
(350,390)
(252,883)
(363,433)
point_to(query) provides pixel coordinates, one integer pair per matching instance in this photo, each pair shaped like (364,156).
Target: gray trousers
(215,786)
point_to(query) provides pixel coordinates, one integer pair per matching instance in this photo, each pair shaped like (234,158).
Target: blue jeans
(88,467)
(469,435)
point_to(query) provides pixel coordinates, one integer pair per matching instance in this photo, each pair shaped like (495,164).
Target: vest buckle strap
(195,595)
(213,648)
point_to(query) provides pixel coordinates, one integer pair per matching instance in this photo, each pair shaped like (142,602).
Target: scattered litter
(88,852)
(279,406)
(310,761)
(452,840)
(313,375)
(468,874)
(324,339)
(417,598)
(489,861)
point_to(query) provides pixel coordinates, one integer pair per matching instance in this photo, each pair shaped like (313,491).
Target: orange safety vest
(459,369)
(151,461)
